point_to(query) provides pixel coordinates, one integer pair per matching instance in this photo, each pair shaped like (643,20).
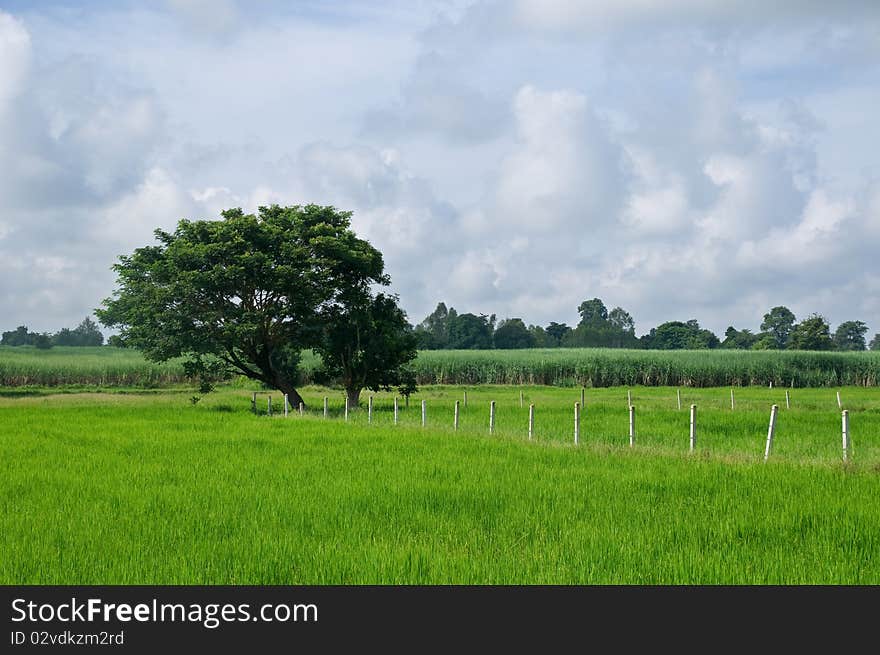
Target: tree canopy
(249,292)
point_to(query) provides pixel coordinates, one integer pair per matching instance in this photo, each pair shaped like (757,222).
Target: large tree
(512,333)
(250,290)
(593,312)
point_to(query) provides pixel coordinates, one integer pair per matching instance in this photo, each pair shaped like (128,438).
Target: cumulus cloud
(680,159)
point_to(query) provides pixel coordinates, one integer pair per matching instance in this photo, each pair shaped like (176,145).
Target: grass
(592,367)
(153,489)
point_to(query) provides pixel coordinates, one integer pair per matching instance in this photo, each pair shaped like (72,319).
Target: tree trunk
(354,397)
(293,396)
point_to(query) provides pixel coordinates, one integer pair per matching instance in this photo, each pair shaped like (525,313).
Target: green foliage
(84,334)
(779,322)
(739,339)
(512,333)
(556,333)
(813,333)
(248,289)
(675,335)
(21,336)
(850,335)
(365,344)
(593,312)
(471,332)
(875,342)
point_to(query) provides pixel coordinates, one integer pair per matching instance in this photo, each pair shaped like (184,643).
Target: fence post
(732,401)
(465,398)
(577,423)
(839,404)
(531,420)
(629,400)
(770,431)
(787,400)
(846,444)
(632,426)
(269,406)
(285,405)
(254,402)
(424,412)
(395,410)
(520,398)
(678,395)
(455,417)
(325,406)
(302,409)
(491,417)
(583,393)
(693,427)
(346,407)
(370,410)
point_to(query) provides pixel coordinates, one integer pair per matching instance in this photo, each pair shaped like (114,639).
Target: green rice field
(153,488)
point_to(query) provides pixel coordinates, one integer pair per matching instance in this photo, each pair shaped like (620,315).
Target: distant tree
(539,336)
(116,341)
(779,322)
(513,333)
(677,335)
(813,333)
(593,312)
(875,342)
(765,341)
(739,339)
(471,332)
(84,334)
(850,335)
(556,332)
(20,336)
(621,319)
(433,332)
(366,343)
(43,341)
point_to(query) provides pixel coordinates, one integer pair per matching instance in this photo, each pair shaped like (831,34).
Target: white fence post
(632,426)
(846,444)
(424,412)
(531,420)
(302,409)
(346,407)
(325,406)
(732,401)
(286,405)
(269,406)
(678,395)
(370,410)
(577,423)
(839,404)
(787,400)
(395,410)
(770,431)
(693,427)
(491,417)
(455,417)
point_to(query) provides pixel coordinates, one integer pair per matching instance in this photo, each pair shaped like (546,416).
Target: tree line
(84,334)
(445,328)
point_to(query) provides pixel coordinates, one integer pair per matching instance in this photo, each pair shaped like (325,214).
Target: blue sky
(680,159)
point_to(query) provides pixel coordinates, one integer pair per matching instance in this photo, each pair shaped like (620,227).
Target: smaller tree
(875,342)
(472,332)
(813,333)
(513,333)
(365,345)
(850,335)
(556,333)
(739,339)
